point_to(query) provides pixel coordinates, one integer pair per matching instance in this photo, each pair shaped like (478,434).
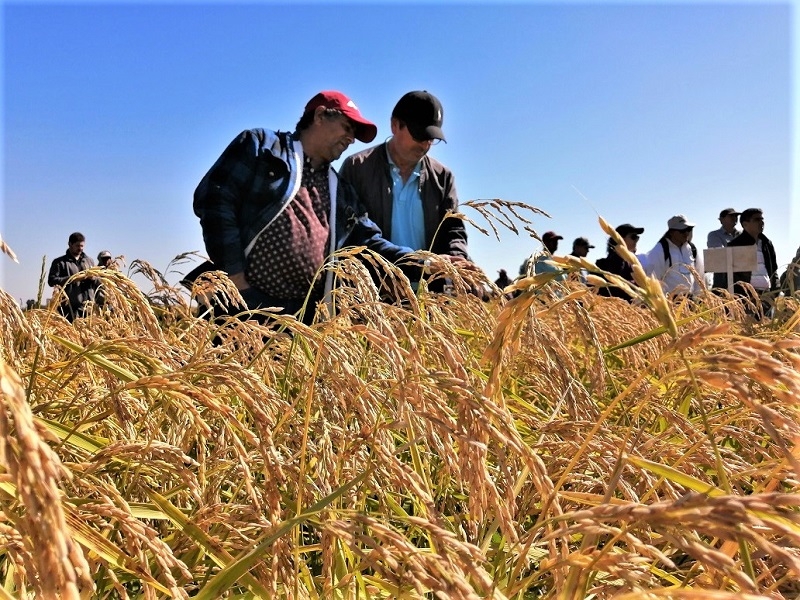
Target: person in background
(537,263)
(406,192)
(673,257)
(720,238)
(503,280)
(78,293)
(614,263)
(581,247)
(272,208)
(765,277)
(104,259)
(790,280)
(550,241)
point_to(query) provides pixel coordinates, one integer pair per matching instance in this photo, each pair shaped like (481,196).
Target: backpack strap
(665,247)
(668,258)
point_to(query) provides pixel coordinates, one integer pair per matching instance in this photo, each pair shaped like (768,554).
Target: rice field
(555,445)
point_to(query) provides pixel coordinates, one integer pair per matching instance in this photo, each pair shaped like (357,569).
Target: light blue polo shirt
(408,221)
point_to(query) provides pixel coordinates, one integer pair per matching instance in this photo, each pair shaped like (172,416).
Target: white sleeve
(653,262)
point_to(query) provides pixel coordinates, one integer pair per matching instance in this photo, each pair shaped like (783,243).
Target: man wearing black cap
(615,264)
(538,262)
(720,238)
(407,193)
(272,208)
(581,247)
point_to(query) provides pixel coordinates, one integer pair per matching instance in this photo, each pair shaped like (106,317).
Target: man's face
(680,236)
(755,225)
(580,250)
(76,248)
(333,134)
(551,244)
(405,148)
(728,222)
(631,240)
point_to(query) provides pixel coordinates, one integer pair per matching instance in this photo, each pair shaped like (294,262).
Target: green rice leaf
(98,359)
(218,555)
(234,571)
(676,476)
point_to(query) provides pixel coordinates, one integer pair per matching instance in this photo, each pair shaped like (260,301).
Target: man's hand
(462,262)
(239,281)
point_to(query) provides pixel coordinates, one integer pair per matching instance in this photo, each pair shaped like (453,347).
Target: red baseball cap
(365,131)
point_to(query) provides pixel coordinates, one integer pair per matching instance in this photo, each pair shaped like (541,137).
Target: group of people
(272,211)
(272,208)
(78,295)
(675,260)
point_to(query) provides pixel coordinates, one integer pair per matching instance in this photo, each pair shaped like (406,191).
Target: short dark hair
(76,237)
(748,213)
(308,118)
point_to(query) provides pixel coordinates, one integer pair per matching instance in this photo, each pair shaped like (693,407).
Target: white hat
(679,222)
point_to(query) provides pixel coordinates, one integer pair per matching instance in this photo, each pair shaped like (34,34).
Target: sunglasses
(633,236)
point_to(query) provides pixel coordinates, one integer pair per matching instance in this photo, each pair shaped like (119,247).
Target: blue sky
(112,112)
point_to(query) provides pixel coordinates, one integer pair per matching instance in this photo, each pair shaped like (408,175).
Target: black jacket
(369,173)
(770,260)
(614,263)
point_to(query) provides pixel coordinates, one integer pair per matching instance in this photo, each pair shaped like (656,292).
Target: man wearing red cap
(406,192)
(272,208)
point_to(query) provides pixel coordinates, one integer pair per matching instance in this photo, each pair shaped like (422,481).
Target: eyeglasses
(633,236)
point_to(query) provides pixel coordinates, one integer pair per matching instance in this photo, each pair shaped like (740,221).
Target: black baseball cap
(627,229)
(729,211)
(551,235)
(422,113)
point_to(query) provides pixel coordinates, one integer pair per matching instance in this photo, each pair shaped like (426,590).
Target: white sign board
(730,260)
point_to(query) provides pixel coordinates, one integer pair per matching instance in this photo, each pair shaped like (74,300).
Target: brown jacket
(369,173)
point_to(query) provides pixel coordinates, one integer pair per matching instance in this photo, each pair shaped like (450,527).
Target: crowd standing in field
(273,210)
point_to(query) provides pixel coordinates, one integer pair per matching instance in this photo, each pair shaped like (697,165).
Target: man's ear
(396,125)
(318,114)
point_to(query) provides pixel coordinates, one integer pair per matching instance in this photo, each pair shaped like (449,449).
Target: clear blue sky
(632,111)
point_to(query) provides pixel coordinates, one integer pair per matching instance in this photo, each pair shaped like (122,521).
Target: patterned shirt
(287,256)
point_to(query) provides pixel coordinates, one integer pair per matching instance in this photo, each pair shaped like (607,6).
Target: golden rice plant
(559,444)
